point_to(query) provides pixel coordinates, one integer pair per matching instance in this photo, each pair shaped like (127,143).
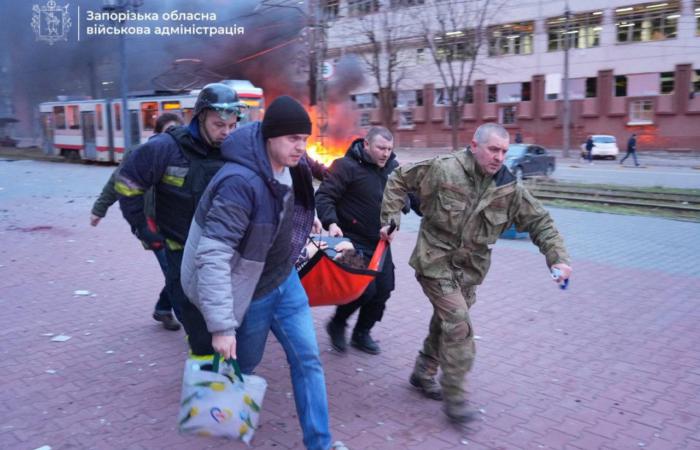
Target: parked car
(526,160)
(604,146)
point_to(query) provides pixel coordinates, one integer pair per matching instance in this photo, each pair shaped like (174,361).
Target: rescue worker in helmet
(178,164)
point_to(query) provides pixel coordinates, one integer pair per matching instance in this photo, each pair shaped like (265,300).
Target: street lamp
(123,6)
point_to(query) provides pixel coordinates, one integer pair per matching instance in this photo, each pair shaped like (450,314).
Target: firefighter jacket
(179,165)
(464,213)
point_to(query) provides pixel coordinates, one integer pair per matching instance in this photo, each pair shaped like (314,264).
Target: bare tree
(382,37)
(455,33)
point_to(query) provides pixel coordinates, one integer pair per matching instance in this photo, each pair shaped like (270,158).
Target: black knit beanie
(285,116)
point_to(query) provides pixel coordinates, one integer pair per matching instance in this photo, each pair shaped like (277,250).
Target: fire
(331,137)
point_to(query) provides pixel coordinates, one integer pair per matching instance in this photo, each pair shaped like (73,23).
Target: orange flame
(331,138)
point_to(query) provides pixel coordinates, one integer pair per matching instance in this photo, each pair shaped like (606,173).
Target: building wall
(674,118)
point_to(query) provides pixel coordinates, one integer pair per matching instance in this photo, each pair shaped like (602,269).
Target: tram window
(98,113)
(59,113)
(149,114)
(73,117)
(117,117)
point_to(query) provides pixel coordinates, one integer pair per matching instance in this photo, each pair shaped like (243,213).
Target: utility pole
(123,6)
(567,106)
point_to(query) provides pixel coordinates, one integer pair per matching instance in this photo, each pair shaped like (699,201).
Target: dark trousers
(198,336)
(163,304)
(373,301)
(634,156)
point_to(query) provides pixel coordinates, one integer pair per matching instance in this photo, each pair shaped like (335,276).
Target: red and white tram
(92,129)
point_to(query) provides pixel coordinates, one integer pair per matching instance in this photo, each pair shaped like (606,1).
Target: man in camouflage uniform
(468,199)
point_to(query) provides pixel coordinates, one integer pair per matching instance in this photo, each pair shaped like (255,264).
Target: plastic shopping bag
(217,400)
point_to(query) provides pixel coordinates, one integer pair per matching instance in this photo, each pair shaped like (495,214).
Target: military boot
(361,340)
(458,411)
(427,385)
(423,377)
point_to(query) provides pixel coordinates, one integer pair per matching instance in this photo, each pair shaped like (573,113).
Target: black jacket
(351,195)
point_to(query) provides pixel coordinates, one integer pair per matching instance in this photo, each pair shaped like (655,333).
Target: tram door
(88,127)
(47,132)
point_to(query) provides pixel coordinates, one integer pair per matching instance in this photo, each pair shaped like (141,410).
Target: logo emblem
(51,22)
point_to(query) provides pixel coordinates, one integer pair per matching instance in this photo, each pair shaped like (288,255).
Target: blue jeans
(286,312)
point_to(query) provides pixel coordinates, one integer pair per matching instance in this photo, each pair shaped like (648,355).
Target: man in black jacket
(348,203)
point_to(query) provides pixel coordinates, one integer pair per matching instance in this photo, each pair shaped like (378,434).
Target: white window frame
(641,112)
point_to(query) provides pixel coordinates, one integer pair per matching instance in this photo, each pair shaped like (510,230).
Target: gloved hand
(151,238)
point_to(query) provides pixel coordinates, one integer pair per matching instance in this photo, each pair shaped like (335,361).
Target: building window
(331,9)
(697,17)
(695,88)
(365,101)
(667,82)
(406,3)
(73,117)
(405,119)
(647,22)
(409,99)
(365,119)
(526,92)
(442,98)
(591,87)
(455,46)
(641,112)
(98,113)
(420,55)
(620,86)
(149,114)
(59,117)
(511,39)
(492,93)
(507,114)
(469,94)
(584,31)
(362,7)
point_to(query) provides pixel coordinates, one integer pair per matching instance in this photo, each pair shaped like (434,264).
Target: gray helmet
(220,98)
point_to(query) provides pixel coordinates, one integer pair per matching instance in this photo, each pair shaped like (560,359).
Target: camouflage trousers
(450,341)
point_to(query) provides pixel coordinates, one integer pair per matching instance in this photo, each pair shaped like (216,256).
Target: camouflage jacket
(464,213)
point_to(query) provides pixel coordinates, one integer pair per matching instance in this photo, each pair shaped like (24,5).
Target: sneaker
(168,321)
(458,411)
(338,445)
(337,334)
(361,340)
(428,386)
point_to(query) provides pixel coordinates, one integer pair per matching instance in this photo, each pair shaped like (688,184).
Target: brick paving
(612,363)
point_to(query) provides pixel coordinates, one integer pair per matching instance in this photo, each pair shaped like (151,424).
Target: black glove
(152,239)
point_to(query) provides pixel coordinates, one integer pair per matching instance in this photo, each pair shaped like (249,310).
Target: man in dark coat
(348,203)
(631,150)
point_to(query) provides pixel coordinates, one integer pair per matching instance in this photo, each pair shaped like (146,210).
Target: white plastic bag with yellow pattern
(217,400)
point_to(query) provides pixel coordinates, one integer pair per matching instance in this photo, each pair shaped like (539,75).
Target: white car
(604,146)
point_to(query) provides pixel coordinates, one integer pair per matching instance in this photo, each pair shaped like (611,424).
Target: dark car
(526,160)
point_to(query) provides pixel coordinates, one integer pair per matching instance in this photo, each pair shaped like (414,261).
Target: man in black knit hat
(237,267)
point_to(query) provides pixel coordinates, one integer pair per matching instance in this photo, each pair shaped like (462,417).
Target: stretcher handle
(392,226)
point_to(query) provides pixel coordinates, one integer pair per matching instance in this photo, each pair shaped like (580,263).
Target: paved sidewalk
(611,363)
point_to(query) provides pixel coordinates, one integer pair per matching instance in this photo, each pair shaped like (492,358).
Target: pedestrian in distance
(589,149)
(348,202)
(178,165)
(238,269)
(631,150)
(468,198)
(163,308)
